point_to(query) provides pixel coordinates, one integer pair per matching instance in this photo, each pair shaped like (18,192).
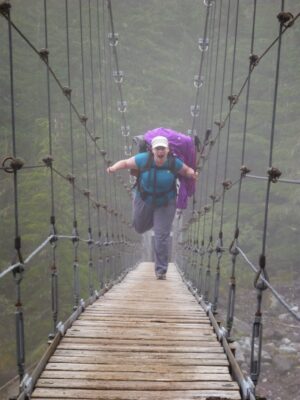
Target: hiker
(154,203)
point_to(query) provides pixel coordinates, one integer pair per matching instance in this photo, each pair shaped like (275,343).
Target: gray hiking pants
(146,217)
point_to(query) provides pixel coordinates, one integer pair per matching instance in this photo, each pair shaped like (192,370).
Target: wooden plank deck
(145,339)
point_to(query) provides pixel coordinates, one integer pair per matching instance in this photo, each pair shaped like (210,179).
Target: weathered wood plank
(136,332)
(62,394)
(136,368)
(135,348)
(119,359)
(141,354)
(134,385)
(154,329)
(139,324)
(136,376)
(201,341)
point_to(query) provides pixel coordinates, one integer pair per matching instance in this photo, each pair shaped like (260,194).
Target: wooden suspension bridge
(143,338)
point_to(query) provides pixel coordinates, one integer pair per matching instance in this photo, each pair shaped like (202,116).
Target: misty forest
(159,59)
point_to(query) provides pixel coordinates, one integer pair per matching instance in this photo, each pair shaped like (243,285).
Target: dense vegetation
(159,56)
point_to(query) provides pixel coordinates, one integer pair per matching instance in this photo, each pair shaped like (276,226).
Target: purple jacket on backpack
(183,147)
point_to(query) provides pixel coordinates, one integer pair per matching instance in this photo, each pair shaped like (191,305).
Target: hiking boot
(161,276)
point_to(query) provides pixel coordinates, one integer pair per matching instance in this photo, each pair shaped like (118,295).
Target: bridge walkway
(144,339)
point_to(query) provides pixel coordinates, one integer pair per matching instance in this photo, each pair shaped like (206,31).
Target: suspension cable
(256,342)
(113,41)
(18,268)
(203,45)
(254,268)
(96,137)
(232,284)
(282,180)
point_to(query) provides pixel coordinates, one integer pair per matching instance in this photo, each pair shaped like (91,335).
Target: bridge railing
(233,199)
(49,297)
(66,223)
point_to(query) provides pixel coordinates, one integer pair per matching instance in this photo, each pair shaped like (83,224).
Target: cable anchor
(125,130)
(219,124)
(5,7)
(208,3)
(44,54)
(48,160)
(203,44)
(127,150)
(286,19)
(122,106)
(70,178)
(227,184)
(113,38)
(67,91)
(244,170)
(12,164)
(262,272)
(206,209)
(233,98)
(198,81)
(83,119)
(254,60)
(274,174)
(195,110)
(118,76)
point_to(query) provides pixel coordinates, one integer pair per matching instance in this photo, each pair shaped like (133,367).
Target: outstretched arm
(188,172)
(123,164)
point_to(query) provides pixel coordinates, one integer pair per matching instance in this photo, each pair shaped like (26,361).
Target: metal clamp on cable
(61,328)
(286,19)
(53,232)
(233,99)
(222,333)
(5,8)
(82,304)
(12,164)
(44,54)
(208,308)
(18,272)
(75,238)
(233,248)
(262,271)
(90,241)
(26,384)
(274,174)
(219,247)
(244,170)
(254,60)
(48,160)
(248,388)
(19,254)
(227,185)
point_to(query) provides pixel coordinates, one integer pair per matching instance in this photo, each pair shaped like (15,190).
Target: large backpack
(181,146)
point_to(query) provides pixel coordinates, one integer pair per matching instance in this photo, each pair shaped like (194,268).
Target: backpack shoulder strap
(172,164)
(148,164)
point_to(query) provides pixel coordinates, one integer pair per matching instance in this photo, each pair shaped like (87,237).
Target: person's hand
(109,170)
(193,174)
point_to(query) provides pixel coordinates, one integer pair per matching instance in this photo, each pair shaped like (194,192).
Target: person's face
(160,152)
